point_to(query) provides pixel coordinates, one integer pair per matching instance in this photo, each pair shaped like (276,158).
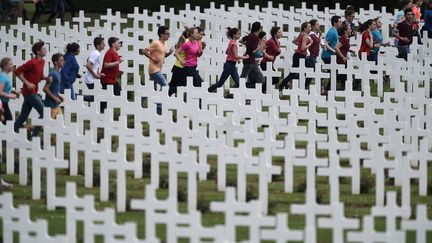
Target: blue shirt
(54,88)
(428,19)
(377,39)
(332,38)
(7,88)
(69,73)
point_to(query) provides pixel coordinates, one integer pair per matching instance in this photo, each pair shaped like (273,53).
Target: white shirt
(95,59)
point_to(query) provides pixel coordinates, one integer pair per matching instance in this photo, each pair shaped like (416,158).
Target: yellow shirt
(181,56)
(157,50)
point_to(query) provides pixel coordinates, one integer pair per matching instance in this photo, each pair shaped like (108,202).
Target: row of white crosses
(396,128)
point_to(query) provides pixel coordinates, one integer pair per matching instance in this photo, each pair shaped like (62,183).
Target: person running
(192,51)
(39,8)
(31,73)
(232,58)
(367,39)
(58,10)
(261,53)
(52,88)
(428,20)
(111,68)
(251,70)
(111,65)
(378,40)
(93,65)
(156,53)
(404,35)
(69,72)
(400,16)
(349,20)
(303,44)
(201,42)
(314,49)
(3,184)
(331,39)
(178,77)
(342,49)
(6,91)
(273,50)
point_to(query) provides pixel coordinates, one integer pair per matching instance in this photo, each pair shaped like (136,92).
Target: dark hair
(313,22)
(37,47)
(231,32)
(405,2)
(72,47)
(366,25)
(349,12)
(256,26)
(261,34)
(161,30)
(408,10)
(112,40)
(182,38)
(56,57)
(304,26)
(4,62)
(376,19)
(200,29)
(97,41)
(335,19)
(274,31)
(342,29)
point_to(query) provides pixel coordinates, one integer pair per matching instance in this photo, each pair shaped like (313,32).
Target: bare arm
(338,51)
(305,46)
(147,53)
(326,44)
(369,42)
(176,54)
(89,67)
(26,82)
(6,95)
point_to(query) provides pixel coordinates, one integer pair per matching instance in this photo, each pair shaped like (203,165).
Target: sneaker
(5,185)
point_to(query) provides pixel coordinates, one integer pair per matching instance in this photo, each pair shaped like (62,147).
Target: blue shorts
(159,78)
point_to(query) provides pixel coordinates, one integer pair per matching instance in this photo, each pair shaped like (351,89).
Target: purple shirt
(252,41)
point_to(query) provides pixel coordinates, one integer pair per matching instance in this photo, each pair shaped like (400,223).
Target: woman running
(367,39)
(192,51)
(303,44)
(69,72)
(342,48)
(232,58)
(273,50)
(178,77)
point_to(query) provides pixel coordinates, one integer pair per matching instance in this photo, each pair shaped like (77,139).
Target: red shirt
(364,47)
(314,49)
(343,49)
(273,49)
(230,53)
(33,72)
(405,30)
(112,72)
(299,44)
